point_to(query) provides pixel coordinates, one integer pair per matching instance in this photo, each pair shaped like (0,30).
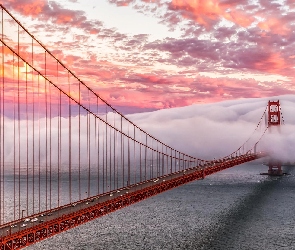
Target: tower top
(274,113)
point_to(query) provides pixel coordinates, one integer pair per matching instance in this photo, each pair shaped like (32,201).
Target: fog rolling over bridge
(67,156)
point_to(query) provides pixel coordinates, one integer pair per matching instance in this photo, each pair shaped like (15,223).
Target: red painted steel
(50,228)
(274,113)
(274,119)
(275,168)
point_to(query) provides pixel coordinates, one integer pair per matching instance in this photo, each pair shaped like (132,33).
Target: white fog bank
(215,130)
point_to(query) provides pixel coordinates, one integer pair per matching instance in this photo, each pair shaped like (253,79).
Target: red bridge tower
(274,119)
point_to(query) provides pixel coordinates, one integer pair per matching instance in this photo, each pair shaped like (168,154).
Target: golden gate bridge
(68,157)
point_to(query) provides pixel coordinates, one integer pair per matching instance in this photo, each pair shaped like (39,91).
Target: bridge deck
(15,235)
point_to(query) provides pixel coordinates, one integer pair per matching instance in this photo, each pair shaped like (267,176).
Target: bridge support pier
(275,168)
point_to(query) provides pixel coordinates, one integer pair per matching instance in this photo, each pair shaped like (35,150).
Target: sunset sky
(144,55)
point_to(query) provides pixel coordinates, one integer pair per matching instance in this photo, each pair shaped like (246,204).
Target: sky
(146,55)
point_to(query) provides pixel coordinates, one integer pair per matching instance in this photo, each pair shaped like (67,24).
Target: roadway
(31,221)
(38,219)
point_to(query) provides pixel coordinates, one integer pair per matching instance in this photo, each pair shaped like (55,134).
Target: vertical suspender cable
(179,163)
(70,143)
(140,170)
(88,145)
(117,161)
(114,160)
(46,141)
(171,161)
(145,157)
(27,139)
(103,162)
(128,182)
(122,154)
(106,149)
(56,99)
(110,164)
(79,143)
(1,124)
(18,119)
(167,161)
(163,161)
(33,128)
(152,165)
(111,158)
(58,148)
(98,149)
(2,97)
(39,145)
(175,160)
(50,146)
(14,142)
(160,161)
(95,145)
(134,163)
(158,154)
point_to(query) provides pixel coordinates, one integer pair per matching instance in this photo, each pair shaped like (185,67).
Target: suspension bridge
(68,157)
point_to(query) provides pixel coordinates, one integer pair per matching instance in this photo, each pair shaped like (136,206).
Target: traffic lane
(76,206)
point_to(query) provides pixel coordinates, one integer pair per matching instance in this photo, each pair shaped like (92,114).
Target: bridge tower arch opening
(274,113)
(274,120)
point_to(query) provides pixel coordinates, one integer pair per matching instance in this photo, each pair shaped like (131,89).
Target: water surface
(235,209)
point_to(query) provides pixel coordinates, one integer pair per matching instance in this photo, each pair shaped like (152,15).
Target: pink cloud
(45,11)
(27,7)
(121,2)
(274,63)
(275,25)
(265,49)
(208,13)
